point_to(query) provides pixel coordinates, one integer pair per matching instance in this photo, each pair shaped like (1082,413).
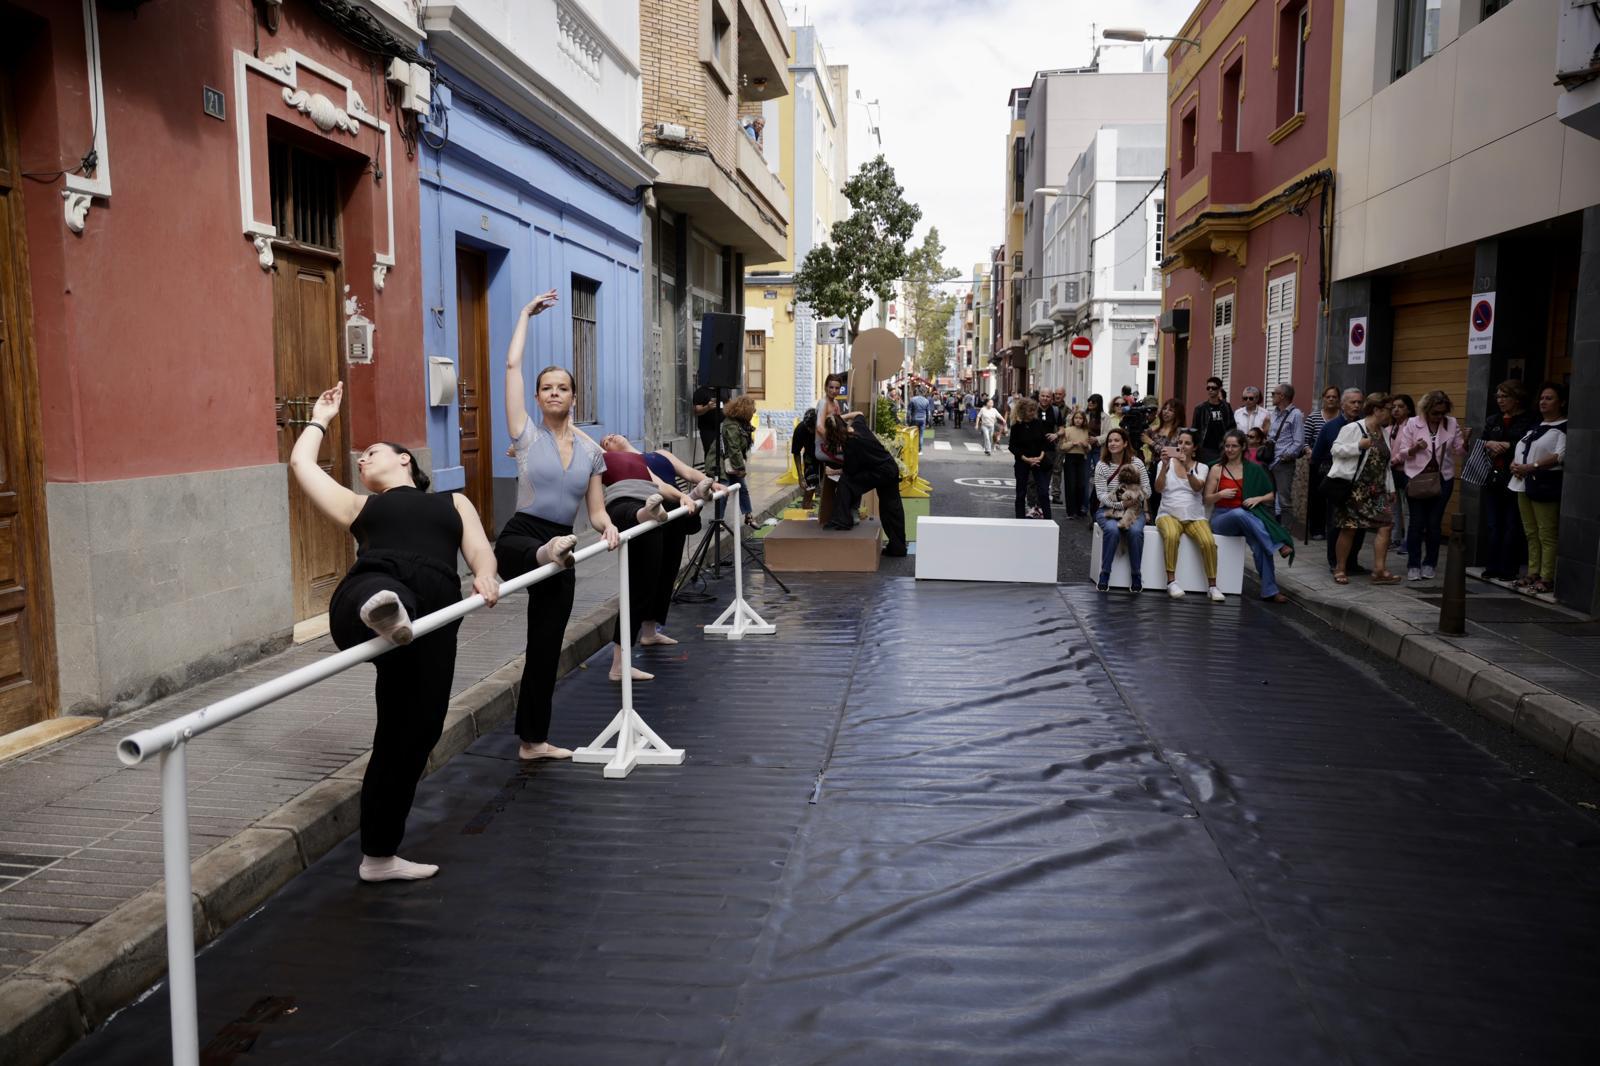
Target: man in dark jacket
(1211,422)
(1322,453)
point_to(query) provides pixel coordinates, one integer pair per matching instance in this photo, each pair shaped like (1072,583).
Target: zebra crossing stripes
(973,446)
(941,445)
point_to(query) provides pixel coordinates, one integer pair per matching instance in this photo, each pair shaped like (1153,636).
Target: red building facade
(221,197)
(1252,132)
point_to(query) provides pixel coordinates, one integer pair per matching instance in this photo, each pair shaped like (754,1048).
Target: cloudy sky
(941,70)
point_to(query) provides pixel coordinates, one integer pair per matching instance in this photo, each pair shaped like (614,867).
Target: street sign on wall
(1081,347)
(1480,325)
(1358,342)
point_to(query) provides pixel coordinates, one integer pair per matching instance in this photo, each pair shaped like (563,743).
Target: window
(1294,26)
(586,348)
(755,364)
(1232,102)
(1188,141)
(1222,341)
(717,42)
(305,197)
(1280,333)
(1416,33)
(1018,165)
(1161,227)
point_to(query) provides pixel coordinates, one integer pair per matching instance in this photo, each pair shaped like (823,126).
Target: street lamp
(1058,192)
(1138,36)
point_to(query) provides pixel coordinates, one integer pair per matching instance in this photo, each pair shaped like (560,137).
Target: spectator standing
(1093,410)
(1350,401)
(708,418)
(1316,512)
(1536,479)
(1181,482)
(738,433)
(1071,448)
(1430,443)
(1287,437)
(1212,420)
(1252,415)
(1033,455)
(1506,550)
(1240,492)
(1118,453)
(1361,457)
(917,414)
(1402,409)
(1159,439)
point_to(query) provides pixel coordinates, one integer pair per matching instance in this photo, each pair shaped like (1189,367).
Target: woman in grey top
(558,472)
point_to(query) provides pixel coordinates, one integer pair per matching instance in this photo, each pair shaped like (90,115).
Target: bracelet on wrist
(317,425)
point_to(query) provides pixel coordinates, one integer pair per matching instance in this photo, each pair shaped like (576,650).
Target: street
(949,822)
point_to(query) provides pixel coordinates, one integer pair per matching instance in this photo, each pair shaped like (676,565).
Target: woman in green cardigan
(1240,493)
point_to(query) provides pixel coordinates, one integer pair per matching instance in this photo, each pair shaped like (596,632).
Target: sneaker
(1137,586)
(1215,595)
(1174,590)
(1413,574)
(1427,573)
(1104,584)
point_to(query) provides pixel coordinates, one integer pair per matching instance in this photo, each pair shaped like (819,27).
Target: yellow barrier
(911,485)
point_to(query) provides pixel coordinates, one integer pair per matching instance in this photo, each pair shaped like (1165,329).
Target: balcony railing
(1039,320)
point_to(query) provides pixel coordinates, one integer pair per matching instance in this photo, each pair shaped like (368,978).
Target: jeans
(1506,550)
(1237,522)
(744,495)
(1111,534)
(919,427)
(1427,516)
(1283,492)
(1038,477)
(1075,484)
(1539,524)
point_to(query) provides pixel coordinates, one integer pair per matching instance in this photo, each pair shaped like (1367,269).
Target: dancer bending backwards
(558,472)
(867,466)
(666,468)
(405,568)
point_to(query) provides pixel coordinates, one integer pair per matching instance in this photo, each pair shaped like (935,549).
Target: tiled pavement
(80,834)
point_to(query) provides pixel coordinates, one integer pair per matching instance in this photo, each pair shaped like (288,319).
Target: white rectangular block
(987,549)
(1191,573)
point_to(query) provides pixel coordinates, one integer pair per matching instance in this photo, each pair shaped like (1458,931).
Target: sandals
(1384,577)
(1340,578)
(1541,588)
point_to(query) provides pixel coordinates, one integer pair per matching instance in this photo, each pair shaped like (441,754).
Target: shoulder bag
(1428,484)
(1337,490)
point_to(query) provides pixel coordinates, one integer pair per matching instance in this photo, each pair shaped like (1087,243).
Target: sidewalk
(1529,665)
(82,923)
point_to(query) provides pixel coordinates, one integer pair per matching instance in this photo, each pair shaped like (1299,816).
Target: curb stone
(1549,720)
(66,993)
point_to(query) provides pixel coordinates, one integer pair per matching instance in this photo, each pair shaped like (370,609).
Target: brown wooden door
(27,635)
(472,390)
(305,328)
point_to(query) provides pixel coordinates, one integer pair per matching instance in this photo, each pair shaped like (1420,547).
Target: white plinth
(987,549)
(1191,573)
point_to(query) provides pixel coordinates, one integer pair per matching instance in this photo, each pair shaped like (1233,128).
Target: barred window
(305,197)
(586,348)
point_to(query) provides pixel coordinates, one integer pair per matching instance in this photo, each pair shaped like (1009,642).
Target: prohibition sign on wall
(1081,347)
(1357,352)
(1480,335)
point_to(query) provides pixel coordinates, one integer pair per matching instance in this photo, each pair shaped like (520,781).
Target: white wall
(1464,146)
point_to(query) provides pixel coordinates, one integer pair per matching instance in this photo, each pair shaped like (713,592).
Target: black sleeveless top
(410,523)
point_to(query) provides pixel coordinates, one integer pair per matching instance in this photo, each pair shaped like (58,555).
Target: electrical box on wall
(441,381)
(358,339)
(1578,66)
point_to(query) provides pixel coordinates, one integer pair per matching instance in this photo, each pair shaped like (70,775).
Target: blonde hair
(1432,397)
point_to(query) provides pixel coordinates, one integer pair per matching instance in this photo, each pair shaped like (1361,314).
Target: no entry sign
(1480,331)
(1358,342)
(1081,347)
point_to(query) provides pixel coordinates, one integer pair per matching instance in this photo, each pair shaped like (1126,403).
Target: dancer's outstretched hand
(327,405)
(543,302)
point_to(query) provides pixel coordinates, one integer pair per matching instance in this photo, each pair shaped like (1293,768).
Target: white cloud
(942,70)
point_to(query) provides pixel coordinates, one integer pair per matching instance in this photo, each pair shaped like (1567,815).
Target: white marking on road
(973,446)
(941,445)
(987,482)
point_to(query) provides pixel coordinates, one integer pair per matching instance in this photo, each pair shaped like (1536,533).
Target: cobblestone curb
(61,996)
(1567,730)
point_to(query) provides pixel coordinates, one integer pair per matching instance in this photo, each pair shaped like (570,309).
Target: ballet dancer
(405,567)
(866,466)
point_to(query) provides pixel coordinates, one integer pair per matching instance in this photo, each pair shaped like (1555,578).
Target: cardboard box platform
(804,546)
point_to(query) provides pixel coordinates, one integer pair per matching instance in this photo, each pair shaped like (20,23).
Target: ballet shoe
(386,616)
(660,638)
(653,511)
(535,752)
(394,868)
(558,550)
(702,491)
(638,675)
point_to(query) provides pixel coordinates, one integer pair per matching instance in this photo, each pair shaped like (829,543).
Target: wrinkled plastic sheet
(948,823)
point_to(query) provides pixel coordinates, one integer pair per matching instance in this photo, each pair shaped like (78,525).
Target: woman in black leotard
(406,568)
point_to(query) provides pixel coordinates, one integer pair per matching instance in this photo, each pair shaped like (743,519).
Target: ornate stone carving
(282,62)
(324,112)
(264,252)
(380,274)
(578,42)
(76,208)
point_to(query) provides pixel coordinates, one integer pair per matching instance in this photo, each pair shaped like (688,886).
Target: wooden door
(27,634)
(1431,309)
(305,329)
(472,390)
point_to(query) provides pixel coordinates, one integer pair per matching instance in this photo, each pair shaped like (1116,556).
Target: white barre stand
(636,744)
(740,618)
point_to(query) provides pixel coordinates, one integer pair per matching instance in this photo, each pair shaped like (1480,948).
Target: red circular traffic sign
(1081,347)
(1358,334)
(1482,316)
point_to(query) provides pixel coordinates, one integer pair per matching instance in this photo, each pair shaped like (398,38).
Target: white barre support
(740,618)
(636,743)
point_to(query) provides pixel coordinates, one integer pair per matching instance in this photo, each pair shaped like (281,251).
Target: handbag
(1428,484)
(1337,490)
(1479,465)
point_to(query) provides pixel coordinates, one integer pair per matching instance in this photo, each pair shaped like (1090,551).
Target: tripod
(712,540)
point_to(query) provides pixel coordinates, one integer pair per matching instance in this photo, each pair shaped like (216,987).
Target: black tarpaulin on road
(1049,827)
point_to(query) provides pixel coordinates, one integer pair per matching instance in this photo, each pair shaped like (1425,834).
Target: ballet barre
(625,743)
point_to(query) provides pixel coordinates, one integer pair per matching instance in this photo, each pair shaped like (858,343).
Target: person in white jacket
(1361,459)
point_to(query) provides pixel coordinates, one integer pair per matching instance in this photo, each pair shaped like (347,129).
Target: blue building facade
(502,192)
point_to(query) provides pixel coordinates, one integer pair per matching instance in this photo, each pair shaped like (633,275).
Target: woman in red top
(1234,512)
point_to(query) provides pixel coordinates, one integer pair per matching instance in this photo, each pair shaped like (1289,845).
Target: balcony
(1039,320)
(751,216)
(763,50)
(1064,302)
(1231,178)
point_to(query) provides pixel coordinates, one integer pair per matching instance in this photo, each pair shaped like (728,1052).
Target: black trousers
(644,565)
(891,511)
(674,537)
(412,690)
(1036,478)
(549,608)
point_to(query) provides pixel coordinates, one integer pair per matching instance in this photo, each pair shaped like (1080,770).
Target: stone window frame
(720,64)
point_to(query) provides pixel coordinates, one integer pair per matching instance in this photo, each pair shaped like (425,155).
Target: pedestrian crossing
(941,445)
(973,446)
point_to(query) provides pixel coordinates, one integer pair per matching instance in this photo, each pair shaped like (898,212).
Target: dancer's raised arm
(331,498)
(516,404)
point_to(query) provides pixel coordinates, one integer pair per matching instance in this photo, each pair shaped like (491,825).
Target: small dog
(1129,497)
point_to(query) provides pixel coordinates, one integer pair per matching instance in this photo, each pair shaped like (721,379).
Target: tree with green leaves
(928,308)
(866,252)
